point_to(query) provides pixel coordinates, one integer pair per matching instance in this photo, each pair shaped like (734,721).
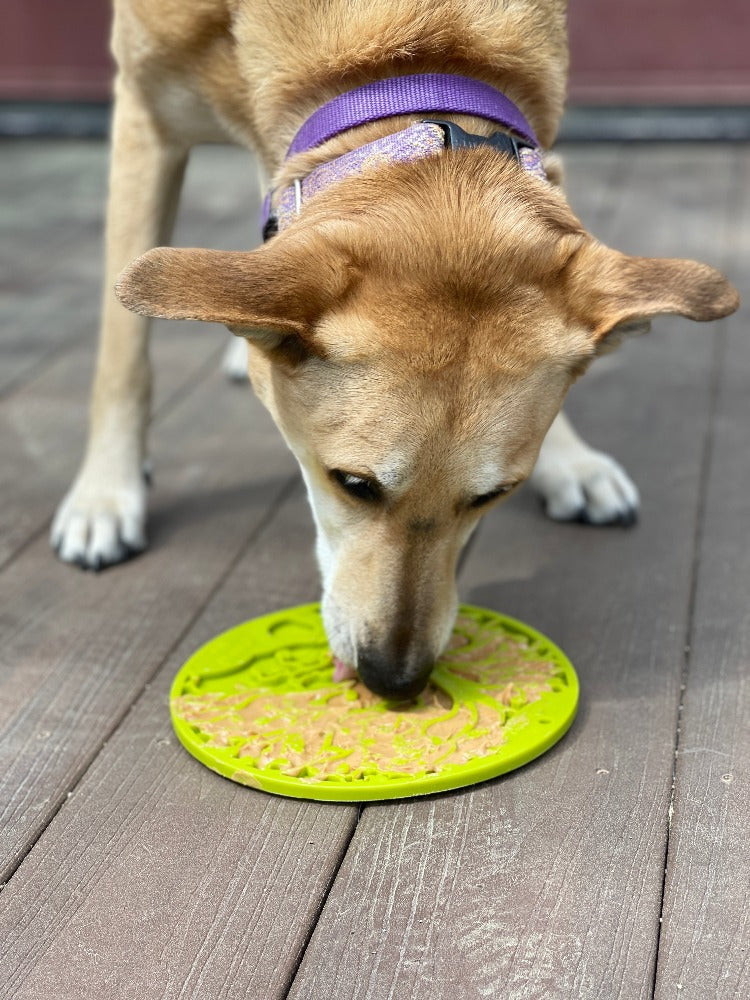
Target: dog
(413,325)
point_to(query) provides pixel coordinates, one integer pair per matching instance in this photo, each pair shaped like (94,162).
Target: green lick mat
(259,705)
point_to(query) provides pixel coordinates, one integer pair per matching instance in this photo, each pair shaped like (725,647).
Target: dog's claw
(629,518)
(623,519)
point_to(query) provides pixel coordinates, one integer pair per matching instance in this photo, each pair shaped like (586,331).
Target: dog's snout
(394,678)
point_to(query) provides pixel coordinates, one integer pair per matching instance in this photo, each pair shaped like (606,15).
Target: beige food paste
(345,730)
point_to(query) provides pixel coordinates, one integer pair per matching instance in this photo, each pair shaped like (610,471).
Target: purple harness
(430,93)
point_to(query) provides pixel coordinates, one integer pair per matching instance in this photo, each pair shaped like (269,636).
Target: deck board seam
(718,361)
(706,451)
(322,904)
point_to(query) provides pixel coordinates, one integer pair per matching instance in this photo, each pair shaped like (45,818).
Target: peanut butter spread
(343,730)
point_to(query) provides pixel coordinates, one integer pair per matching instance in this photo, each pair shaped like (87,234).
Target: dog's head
(414,334)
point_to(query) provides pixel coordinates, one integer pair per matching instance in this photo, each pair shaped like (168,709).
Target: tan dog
(414,332)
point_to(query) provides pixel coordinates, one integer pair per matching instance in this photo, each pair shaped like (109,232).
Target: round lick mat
(259,705)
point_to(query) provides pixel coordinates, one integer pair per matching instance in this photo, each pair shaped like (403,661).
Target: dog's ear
(615,295)
(271,295)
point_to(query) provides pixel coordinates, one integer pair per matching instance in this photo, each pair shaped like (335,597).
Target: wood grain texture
(77,648)
(547,883)
(160,879)
(51,204)
(705,940)
(52,201)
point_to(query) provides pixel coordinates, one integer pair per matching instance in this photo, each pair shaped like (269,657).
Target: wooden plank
(703,949)
(610,163)
(52,262)
(30,166)
(547,883)
(51,200)
(77,648)
(160,879)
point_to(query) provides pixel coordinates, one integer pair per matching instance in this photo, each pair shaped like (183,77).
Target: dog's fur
(415,329)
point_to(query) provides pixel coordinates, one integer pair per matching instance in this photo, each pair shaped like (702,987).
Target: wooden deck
(615,866)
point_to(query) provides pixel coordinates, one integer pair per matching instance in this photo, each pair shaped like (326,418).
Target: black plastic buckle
(270,228)
(457,138)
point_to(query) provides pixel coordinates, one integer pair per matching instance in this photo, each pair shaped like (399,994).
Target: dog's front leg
(578,483)
(102,518)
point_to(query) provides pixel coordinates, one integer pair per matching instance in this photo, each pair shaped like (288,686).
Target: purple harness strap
(413,143)
(403,95)
(428,93)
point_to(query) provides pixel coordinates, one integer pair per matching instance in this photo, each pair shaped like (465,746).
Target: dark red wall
(628,51)
(55,49)
(667,51)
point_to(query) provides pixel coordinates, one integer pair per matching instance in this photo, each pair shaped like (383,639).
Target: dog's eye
(486,498)
(357,486)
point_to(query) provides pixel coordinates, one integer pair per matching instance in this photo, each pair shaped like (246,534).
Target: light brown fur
(418,326)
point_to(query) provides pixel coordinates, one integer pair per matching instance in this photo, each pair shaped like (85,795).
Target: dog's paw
(100,523)
(586,486)
(234,361)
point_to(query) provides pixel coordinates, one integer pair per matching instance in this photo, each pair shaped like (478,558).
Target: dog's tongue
(342,671)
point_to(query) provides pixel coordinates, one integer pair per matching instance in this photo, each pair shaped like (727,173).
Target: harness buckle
(457,138)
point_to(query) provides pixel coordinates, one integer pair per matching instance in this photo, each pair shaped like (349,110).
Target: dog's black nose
(391,677)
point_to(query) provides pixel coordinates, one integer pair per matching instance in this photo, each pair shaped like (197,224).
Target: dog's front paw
(587,486)
(100,522)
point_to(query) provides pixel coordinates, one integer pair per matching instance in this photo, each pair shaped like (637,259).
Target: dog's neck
(296,56)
